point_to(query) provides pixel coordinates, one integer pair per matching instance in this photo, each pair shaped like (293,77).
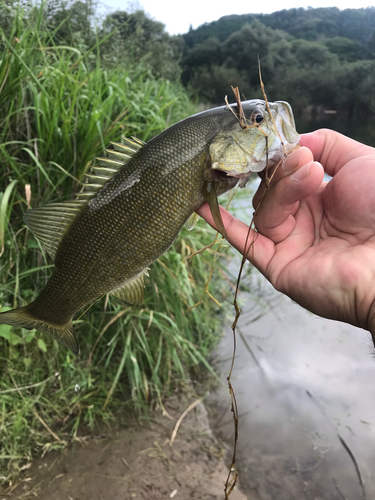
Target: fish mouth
(238,175)
(224,174)
(230,178)
(219,175)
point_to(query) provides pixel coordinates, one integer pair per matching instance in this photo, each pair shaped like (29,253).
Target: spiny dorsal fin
(116,155)
(192,221)
(133,291)
(50,223)
(107,167)
(135,140)
(128,146)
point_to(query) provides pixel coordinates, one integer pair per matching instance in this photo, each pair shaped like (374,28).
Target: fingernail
(291,160)
(302,172)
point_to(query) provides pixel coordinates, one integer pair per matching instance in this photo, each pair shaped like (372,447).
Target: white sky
(179,15)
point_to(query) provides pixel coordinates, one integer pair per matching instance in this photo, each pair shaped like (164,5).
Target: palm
(321,263)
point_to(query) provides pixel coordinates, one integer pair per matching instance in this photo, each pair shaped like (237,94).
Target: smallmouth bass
(136,202)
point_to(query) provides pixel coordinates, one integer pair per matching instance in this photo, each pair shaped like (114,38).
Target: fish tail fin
(24,318)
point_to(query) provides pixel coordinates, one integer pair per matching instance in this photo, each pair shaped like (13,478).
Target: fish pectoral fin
(133,291)
(210,197)
(50,223)
(192,221)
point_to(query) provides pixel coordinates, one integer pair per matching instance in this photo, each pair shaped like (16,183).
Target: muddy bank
(135,462)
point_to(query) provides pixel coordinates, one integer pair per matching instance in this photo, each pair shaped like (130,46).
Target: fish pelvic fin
(210,196)
(24,318)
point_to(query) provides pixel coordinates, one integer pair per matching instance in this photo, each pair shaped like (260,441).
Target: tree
(346,49)
(204,54)
(371,45)
(141,39)
(242,49)
(312,54)
(71,23)
(213,83)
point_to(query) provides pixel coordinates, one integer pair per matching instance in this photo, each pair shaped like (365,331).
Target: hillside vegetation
(312,58)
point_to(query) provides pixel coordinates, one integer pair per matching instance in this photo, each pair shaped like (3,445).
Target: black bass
(135,204)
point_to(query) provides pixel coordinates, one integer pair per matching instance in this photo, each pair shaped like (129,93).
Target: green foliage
(68,111)
(371,44)
(346,49)
(59,107)
(70,22)
(212,83)
(311,55)
(139,39)
(243,48)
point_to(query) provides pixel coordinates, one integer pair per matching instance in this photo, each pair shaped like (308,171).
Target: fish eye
(257,118)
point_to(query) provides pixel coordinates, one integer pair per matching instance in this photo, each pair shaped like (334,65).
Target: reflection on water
(289,446)
(362,131)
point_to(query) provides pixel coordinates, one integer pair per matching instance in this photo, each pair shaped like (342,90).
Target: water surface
(301,382)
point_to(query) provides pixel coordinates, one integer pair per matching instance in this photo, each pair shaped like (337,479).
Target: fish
(135,202)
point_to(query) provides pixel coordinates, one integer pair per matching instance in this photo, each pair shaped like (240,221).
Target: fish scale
(134,205)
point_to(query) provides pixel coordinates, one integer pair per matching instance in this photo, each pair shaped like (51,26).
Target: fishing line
(232,477)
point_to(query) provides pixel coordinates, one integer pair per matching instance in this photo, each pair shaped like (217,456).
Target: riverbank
(135,461)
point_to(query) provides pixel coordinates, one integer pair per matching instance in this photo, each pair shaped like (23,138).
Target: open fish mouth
(239,175)
(239,178)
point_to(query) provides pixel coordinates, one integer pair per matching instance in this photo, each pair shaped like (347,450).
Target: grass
(59,108)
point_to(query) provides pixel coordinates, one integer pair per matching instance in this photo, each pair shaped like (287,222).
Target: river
(360,130)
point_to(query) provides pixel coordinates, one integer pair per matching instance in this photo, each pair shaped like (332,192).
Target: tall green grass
(59,108)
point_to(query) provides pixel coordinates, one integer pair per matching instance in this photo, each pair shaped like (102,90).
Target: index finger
(237,232)
(334,150)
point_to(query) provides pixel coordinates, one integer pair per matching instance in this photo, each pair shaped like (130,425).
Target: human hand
(316,240)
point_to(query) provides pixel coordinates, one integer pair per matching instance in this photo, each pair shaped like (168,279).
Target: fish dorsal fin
(192,221)
(50,223)
(108,166)
(133,291)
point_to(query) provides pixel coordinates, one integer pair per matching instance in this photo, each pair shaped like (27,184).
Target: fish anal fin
(209,194)
(64,336)
(132,291)
(192,221)
(50,222)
